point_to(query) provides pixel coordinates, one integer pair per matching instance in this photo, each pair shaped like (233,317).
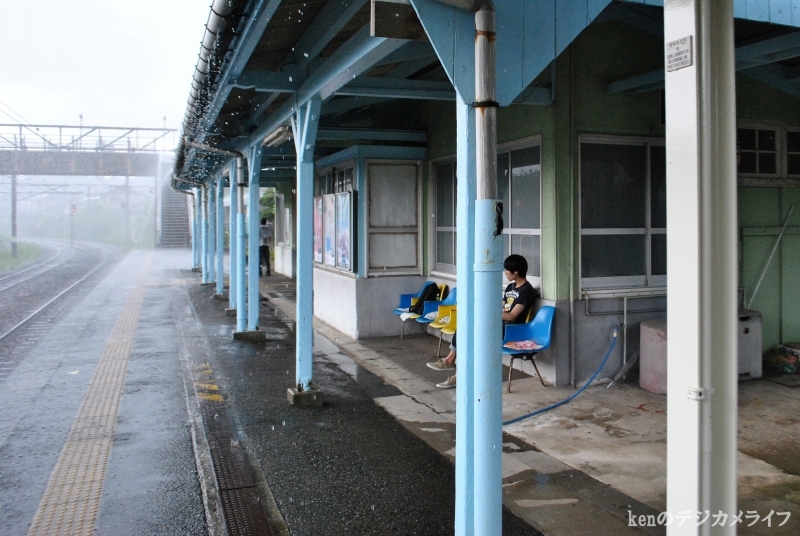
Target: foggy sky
(118,62)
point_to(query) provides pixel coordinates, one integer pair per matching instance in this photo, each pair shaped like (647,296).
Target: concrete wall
(361,308)
(285,261)
(335,300)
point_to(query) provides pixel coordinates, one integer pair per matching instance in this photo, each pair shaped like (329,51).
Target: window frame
(648,280)
(416,229)
(508,232)
(442,269)
(330,175)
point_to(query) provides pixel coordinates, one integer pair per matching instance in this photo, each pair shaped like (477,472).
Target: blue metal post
(241,245)
(212,231)
(465,431)
(487,323)
(305,125)
(220,234)
(204,232)
(253,268)
(233,237)
(196,239)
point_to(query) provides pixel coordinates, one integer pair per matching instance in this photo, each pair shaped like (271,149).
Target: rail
(68,138)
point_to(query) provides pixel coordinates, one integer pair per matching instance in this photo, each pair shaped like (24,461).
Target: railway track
(30,305)
(62,256)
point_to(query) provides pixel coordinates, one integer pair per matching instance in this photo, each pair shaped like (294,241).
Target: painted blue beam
(371,134)
(398,88)
(339,106)
(232,237)
(212,232)
(196,232)
(353,58)
(412,50)
(265,81)
(328,22)
(204,232)
(452,34)
(409,67)
(253,268)
(257,22)
(220,240)
(747,56)
(775,76)
(304,125)
(465,250)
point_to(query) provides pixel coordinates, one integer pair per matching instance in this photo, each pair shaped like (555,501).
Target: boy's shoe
(449,383)
(441,364)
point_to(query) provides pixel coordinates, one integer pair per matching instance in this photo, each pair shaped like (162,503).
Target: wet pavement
(348,468)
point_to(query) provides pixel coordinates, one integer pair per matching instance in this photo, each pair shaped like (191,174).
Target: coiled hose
(576,393)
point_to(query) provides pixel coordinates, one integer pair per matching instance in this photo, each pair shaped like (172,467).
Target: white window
(519,186)
(519,180)
(445,217)
(393,217)
(623,213)
(767,153)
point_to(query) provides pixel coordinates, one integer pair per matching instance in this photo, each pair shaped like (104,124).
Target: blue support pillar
(241,247)
(212,232)
(304,125)
(233,237)
(253,268)
(465,432)
(220,241)
(204,232)
(196,238)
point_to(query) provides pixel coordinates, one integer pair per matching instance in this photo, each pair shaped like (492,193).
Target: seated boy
(518,298)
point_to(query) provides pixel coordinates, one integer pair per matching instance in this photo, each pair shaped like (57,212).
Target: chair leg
(537,371)
(510,370)
(402,330)
(439,349)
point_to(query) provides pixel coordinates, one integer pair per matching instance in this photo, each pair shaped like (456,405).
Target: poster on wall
(329,228)
(317,229)
(343,230)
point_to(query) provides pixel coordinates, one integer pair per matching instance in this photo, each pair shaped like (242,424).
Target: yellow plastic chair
(445,322)
(413,316)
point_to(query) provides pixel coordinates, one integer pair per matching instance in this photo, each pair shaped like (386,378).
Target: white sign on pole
(679,53)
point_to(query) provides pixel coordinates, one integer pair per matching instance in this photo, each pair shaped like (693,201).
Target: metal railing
(17,137)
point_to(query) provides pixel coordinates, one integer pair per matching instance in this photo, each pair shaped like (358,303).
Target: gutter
(209,47)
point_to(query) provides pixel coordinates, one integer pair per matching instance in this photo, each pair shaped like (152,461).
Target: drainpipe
(220,9)
(487,377)
(241,285)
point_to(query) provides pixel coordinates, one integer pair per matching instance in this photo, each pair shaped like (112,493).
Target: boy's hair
(263,221)
(516,263)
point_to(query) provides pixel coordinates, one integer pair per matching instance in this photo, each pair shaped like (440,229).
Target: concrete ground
(587,466)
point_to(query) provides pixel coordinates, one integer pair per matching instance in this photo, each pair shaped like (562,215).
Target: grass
(25,253)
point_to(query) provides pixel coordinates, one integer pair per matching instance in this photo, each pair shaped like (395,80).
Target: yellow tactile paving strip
(72,498)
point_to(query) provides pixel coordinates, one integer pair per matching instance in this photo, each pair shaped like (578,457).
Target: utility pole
(72,210)
(127,212)
(14,216)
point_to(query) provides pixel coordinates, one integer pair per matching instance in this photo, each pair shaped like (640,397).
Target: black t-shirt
(525,295)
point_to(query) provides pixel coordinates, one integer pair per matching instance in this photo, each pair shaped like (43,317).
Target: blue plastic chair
(407,300)
(431,308)
(538,331)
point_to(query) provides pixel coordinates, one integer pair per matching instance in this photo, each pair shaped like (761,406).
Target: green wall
(610,52)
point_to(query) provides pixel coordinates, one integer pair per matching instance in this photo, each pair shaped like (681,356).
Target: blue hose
(576,393)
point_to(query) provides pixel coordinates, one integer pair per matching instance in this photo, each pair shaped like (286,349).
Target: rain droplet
(284,423)
(305,54)
(290,79)
(273,428)
(216,416)
(373,507)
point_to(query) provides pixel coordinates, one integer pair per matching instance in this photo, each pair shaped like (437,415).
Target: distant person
(518,299)
(265,237)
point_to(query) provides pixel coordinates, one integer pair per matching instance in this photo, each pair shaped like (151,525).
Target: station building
(360,115)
